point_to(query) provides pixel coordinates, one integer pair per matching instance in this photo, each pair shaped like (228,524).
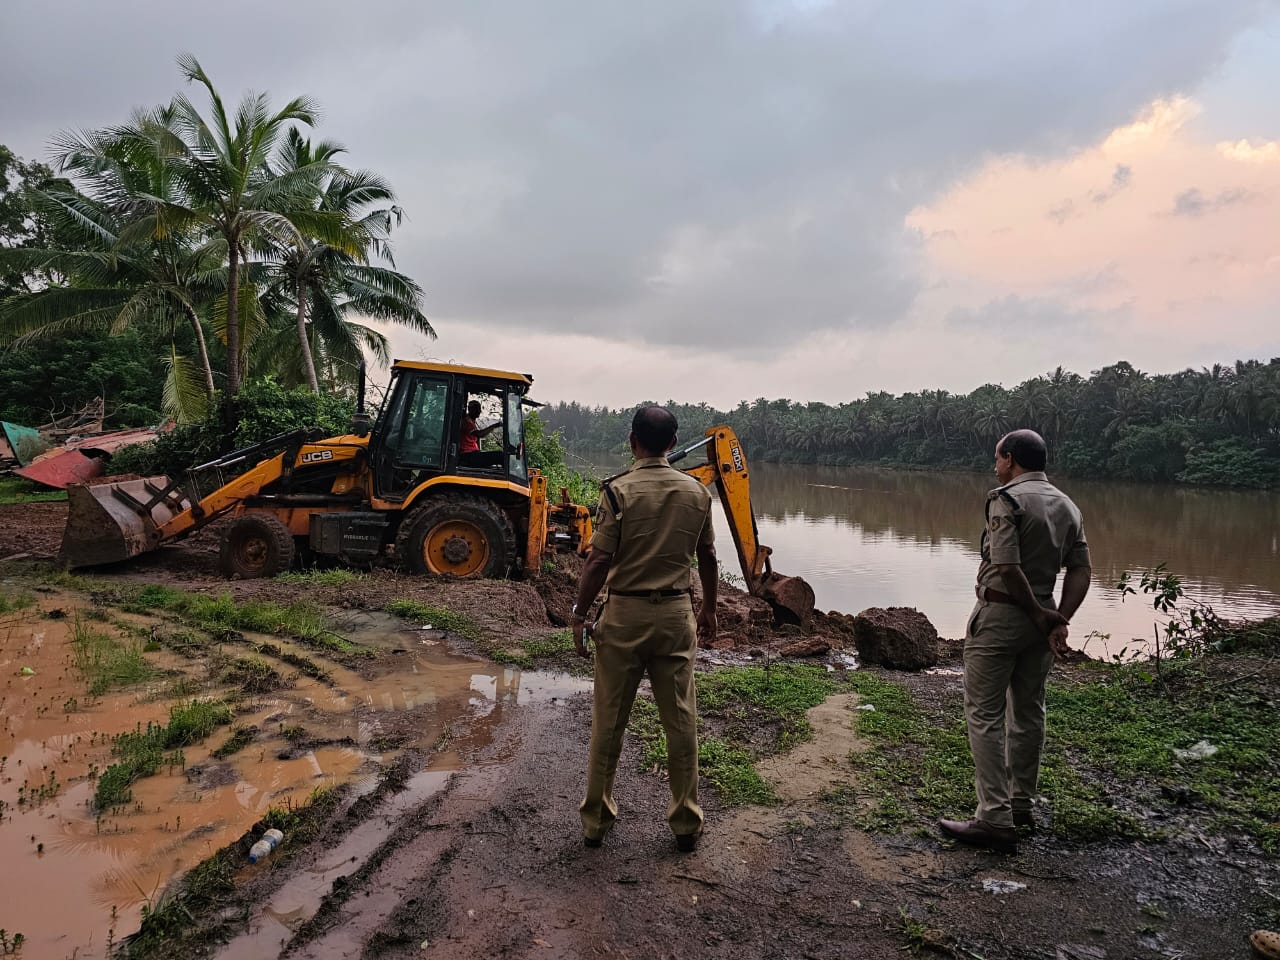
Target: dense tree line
(1218,425)
(224,239)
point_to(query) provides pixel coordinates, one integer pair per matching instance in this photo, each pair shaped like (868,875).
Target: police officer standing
(651,521)
(1033,530)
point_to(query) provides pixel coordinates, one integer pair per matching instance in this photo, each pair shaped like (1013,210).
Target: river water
(871,537)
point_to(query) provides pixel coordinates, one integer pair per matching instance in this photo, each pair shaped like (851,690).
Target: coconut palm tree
(330,285)
(229,188)
(121,272)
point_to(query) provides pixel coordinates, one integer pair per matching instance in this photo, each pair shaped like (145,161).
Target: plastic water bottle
(262,849)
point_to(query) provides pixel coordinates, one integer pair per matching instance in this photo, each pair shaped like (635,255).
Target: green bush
(1230,463)
(545,452)
(1152,453)
(264,409)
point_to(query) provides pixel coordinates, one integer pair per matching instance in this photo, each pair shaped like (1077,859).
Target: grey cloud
(1193,203)
(1120,179)
(1023,318)
(1062,212)
(698,174)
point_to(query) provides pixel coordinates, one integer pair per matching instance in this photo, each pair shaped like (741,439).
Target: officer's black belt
(647,593)
(992,595)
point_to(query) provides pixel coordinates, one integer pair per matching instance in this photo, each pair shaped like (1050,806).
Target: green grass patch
(320,578)
(142,752)
(240,738)
(107,661)
(753,712)
(551,646)
(919,768)
(222,614)
(778,696)
(440,618)
(1112,732)
(1128,723)
(15,600)
(17,490)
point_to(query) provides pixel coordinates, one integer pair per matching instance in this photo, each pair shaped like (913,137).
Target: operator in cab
(469,452)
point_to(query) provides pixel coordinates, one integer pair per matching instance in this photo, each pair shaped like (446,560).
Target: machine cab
(445,420)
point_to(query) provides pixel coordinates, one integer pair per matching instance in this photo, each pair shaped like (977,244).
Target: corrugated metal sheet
(62,467)
(111,442)
(26,443)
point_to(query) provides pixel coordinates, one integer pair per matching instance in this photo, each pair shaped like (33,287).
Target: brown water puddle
(73,881)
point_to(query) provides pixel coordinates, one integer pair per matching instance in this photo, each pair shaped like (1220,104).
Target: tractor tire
(457,535)
(255,545)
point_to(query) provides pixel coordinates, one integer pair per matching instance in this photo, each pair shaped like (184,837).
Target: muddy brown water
(74,881)
(871,537)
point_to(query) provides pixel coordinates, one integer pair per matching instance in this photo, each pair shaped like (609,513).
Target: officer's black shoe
(1024,822)
(592,842)
(687,842)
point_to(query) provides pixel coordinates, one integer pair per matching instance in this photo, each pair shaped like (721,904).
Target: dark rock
(806,647)
(901,638)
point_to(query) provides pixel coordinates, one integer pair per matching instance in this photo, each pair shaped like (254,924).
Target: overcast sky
(785,198)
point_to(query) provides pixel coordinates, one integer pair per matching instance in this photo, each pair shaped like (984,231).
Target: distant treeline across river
(1216,425)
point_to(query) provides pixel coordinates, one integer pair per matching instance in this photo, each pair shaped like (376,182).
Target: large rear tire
(256,545)
(457,535)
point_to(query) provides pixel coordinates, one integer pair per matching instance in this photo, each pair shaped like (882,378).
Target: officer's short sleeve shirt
(1033,524)
(660,518)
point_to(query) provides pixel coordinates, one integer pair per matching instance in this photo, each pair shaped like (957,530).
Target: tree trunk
(198,329)
(233,317)
(305,342)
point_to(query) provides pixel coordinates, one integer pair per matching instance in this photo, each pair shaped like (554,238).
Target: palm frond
(183,396)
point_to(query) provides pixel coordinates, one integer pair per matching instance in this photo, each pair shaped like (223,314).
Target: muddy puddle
(75,879)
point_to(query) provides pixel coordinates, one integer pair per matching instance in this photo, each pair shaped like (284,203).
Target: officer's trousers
(1006,663)
(636,635)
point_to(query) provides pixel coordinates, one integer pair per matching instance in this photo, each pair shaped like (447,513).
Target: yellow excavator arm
(792,598)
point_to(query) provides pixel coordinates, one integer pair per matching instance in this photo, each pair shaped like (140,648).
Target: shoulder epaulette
(611,496)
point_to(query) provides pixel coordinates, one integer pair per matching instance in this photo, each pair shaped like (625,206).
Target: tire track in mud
(497,869)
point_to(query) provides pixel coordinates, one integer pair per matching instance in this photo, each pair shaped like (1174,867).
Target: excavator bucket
(109,522)
(791,598)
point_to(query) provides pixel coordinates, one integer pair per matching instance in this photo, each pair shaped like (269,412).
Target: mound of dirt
(901,638)
(557,584)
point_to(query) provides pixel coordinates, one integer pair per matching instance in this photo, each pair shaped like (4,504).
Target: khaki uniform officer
(652,521)
(1033,530)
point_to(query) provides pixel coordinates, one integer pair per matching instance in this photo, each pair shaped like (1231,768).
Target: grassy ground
(545,651)
(217,615)
(12,601)
(735,707)
(106,659)
(439,618)
(1109,758)
(18,490)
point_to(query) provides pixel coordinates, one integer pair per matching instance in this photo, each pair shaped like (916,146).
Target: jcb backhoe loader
(402,485)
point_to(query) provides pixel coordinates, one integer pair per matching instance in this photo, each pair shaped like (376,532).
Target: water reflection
(866,537)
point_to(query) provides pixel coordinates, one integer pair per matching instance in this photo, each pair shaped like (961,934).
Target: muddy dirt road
(446,824)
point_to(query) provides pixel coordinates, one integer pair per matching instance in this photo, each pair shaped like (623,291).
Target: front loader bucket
(109,522)
(792,598)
